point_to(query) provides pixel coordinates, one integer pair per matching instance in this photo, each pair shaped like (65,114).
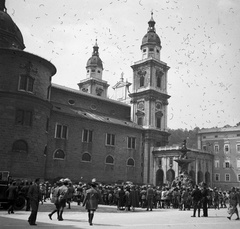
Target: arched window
(86,157)
(59,154)
(130,162)
(20,146)
(109,159)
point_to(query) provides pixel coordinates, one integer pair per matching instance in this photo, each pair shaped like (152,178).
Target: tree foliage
(179,135)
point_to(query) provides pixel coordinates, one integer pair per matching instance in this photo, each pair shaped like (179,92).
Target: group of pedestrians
(125,197)
(62,195)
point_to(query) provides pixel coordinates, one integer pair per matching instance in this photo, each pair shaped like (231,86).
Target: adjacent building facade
(224,145)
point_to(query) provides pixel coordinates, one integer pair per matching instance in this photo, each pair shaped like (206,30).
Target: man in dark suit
(196,197)
(205,194)
(34,196)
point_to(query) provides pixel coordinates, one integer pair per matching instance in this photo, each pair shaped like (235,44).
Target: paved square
(110,217)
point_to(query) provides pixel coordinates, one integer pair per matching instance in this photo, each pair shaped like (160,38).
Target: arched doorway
(159,177)
(199,177)
(207,178)
(170,175)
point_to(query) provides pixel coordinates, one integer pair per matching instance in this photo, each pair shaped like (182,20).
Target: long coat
(91,199)
(134,199)
(12,192)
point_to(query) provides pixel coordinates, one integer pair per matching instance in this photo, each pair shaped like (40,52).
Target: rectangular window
(110,139)
(64,132)
(204,148)
(216,148)
(23,117)
(238,148)
(227,177)
(216,163)
(26,83)
(217,177)
(226,148)
(131,143)
(226,164)
(158,122)
(61,131)
(238,177)
(238,163)
(87,135)
(140,121)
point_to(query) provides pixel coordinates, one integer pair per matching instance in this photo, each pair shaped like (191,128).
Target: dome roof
(10,35)
(151,37)
(94,60)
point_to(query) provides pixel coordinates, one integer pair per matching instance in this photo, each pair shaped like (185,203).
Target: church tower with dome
(149,96)
(94,84)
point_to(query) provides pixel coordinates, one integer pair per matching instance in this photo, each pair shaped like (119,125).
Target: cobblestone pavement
(109,217)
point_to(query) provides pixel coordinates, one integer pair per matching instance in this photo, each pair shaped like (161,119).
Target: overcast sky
(200,43)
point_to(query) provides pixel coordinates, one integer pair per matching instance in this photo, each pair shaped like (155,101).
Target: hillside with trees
(177,136)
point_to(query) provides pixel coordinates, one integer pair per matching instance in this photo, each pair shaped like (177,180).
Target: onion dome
(151,38)
(95,60)
(10,35)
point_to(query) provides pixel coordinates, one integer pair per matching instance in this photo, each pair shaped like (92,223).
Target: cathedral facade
(51,131)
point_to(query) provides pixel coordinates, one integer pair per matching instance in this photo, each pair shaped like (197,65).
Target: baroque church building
(52,131)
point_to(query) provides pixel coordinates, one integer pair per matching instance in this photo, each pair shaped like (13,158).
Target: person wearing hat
(91,200)
(62,198)
(233,201)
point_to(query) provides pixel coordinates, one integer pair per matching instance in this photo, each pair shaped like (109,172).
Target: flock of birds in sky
(202,52)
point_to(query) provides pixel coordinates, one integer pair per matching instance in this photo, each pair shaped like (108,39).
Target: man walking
(233,202)
(62,198)
(34,196)
(91,200)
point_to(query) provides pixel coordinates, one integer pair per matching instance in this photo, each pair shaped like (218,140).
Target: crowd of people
(125,197)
